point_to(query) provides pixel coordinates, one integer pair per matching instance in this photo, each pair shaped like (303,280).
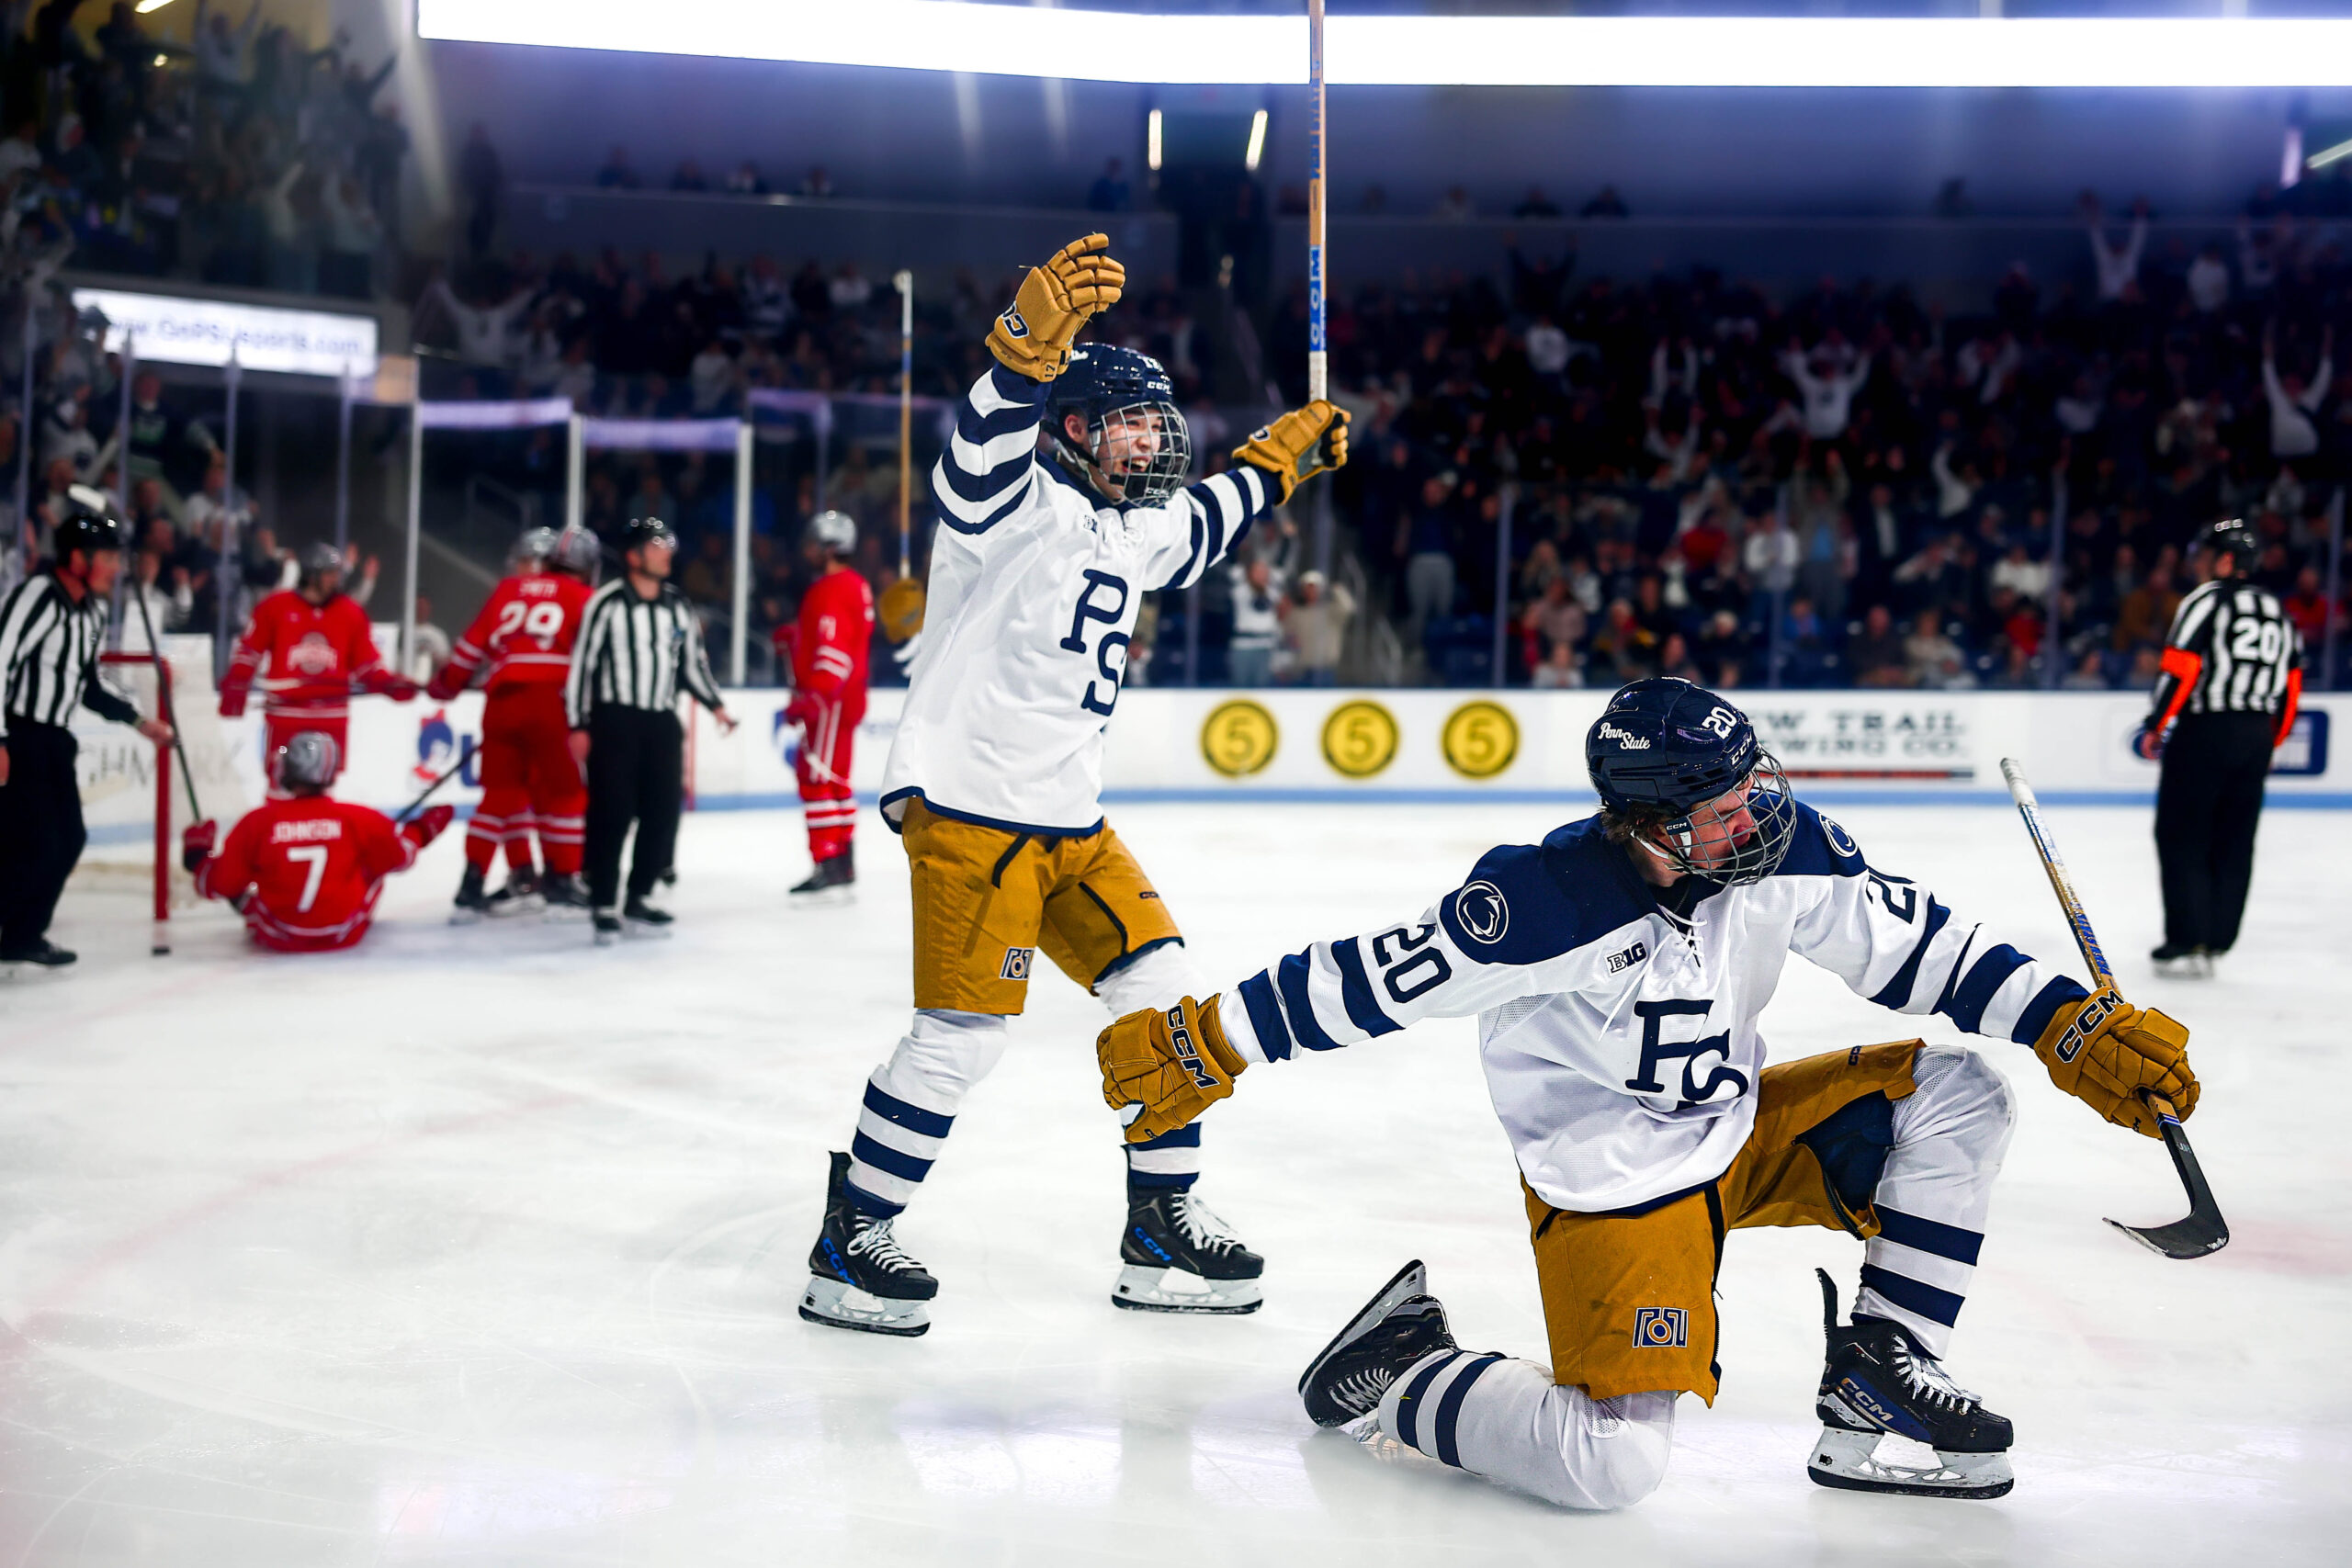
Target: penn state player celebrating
(1038,571)
(1617,971)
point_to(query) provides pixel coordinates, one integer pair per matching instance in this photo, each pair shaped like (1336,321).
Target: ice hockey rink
(481,1245)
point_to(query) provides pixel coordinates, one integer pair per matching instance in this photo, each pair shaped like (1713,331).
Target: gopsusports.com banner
(1337,746)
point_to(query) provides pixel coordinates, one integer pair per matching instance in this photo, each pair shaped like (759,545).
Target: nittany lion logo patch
(1016,963)
(1483,913)
(1014,325)
(1661,1328)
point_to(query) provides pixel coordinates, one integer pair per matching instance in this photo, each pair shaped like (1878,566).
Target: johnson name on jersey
(1621,1044)
(1035,585)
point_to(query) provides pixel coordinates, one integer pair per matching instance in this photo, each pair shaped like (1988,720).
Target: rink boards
(1340,746)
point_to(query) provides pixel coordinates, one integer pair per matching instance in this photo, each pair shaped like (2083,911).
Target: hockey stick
(1318,359)
(2203,1231)
(410,809)
(163,700)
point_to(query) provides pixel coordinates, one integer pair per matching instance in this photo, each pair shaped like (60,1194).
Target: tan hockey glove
(1033,337)
(2104,1052)
(1299,445)
(1169,1065)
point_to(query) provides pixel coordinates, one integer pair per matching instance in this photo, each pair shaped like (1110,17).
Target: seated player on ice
(1038,571)
(1617,971)
(304,870)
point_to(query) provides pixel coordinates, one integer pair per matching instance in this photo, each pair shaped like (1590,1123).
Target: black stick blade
(2204,1231)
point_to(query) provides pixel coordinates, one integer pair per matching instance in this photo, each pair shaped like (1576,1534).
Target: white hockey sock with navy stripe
(1505,1419)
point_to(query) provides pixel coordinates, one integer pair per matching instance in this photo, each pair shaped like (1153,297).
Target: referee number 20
(2255,641)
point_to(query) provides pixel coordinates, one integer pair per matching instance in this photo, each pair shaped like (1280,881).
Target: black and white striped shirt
(49,657)
(2231,649)
(635,653)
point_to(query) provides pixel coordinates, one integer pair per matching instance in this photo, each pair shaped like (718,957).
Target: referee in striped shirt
(2224,700)
(640,641)
(52,630)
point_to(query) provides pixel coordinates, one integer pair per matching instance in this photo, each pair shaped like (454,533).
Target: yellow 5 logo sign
(1239,738)
(1358,738)
(1480,739)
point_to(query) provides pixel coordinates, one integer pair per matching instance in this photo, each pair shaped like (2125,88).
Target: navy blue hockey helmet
(1137,448)
(1664,751)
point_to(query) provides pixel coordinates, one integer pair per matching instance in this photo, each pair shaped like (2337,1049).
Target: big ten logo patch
(1358,738)
(1661,1328)
(1016,963)
(1480,739)
(1620,962)
(1239,738)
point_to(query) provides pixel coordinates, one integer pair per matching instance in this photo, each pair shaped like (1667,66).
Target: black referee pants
(637,765)
(41,828)
(2209,803)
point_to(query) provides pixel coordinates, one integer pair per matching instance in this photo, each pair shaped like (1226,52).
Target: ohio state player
(309,647)
(305,871)
(828,650)
(523,635)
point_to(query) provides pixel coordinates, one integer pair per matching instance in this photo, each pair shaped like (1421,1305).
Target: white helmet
(837,530)
(532,549)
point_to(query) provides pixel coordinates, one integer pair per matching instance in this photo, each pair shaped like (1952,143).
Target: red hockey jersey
(314,867)
(523,635)
(830,643)
(307,659)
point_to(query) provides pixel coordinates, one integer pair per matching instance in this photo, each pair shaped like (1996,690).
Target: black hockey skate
(1396,1329)
(471,903)
(566,897)
(1878,1380)
(521,895)
(1180,1258)
(640,918)
(831,881)
(859,1277)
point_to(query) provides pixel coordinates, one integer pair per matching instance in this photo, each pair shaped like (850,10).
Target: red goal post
(134,806)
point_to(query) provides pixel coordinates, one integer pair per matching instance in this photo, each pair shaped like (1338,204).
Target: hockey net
(134,799)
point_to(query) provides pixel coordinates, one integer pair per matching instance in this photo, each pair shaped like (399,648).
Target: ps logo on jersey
(1839,840)
(1014,325)
(1482,913)
(1016,963)
(1661,1328)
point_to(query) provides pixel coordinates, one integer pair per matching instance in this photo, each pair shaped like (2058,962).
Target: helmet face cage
(1157,425)
(1770,801)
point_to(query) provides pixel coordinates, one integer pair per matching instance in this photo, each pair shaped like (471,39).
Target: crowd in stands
(1850,487)
(236,156)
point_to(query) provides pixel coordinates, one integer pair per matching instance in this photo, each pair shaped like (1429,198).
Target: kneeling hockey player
(1617,971)
(305,870)
(1038,571)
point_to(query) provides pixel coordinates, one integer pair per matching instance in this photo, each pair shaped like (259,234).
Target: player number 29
(1413,969)
(542,620)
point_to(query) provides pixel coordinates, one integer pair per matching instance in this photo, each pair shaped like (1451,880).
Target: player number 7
(315,857)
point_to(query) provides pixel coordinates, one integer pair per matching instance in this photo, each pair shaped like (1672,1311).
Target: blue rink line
(779,800)
(1580,799)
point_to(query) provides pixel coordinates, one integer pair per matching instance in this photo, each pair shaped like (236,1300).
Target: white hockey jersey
(1035,584)
(1622,1054)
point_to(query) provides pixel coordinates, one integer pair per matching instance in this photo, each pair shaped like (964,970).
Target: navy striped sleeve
(1266,1017)
(991,461)
(1965,1005)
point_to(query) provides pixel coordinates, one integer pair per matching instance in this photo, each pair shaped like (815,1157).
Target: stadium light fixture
(1152,141)
(1409,51)
(1257,141)
(145,6)
(2327,155)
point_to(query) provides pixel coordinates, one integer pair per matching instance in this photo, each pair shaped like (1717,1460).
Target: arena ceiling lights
(1373,51)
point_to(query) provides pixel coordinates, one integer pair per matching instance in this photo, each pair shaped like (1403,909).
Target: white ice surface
(481,1245)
